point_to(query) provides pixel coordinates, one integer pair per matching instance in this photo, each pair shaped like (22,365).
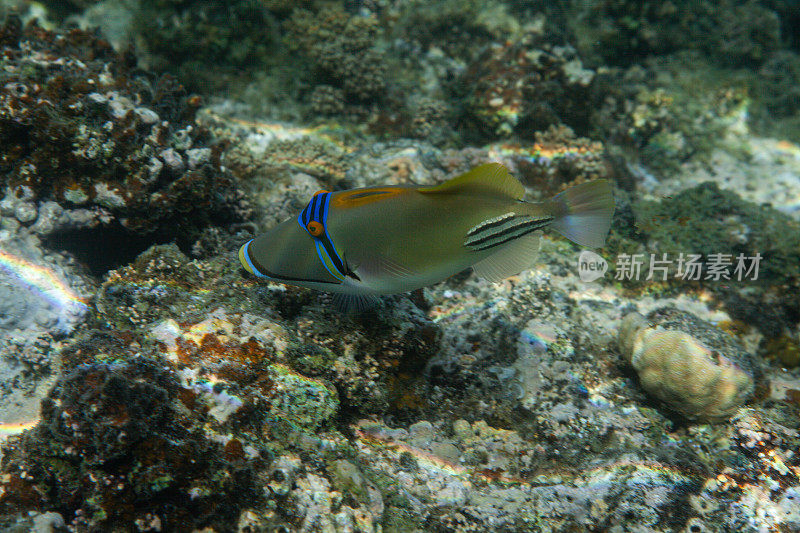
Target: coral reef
(204,44)
(457,28)
(115,445)
(342,48)
(700,379)
(230,390)
(185,38)
(430,120)
(91,145)
(556,158)
(777,94)
(467,405)
(622,32)
(667,113)
(525,86)
(148,383)
(327,100)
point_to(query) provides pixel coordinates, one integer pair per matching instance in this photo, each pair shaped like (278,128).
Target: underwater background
(149,383)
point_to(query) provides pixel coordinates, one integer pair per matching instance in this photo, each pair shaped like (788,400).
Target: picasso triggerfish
(385,240)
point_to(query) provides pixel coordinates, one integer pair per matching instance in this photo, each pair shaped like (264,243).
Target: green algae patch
(706,220)
(785,349)
(301,401)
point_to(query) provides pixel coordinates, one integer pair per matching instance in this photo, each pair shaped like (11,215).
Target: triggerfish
(385,240)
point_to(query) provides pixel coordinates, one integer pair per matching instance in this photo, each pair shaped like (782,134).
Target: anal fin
(355,303)
(512,258)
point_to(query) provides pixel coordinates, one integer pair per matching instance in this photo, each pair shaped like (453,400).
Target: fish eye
(315,228)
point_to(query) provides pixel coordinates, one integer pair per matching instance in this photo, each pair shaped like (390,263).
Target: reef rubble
(217,401)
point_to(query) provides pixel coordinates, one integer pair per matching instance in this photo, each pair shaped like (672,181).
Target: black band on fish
(314,219)
(490,223)
(500,230)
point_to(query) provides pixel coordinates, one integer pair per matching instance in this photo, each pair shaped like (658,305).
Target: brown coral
(81,129)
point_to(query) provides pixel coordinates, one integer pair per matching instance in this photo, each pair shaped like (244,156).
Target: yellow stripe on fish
(385,240)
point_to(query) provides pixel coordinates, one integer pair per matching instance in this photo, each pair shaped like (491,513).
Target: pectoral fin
(377,266)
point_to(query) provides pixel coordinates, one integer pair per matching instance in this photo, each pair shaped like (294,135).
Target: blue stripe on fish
(312,207)
(246,255)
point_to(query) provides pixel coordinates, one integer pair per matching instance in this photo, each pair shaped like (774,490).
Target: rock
(47,523)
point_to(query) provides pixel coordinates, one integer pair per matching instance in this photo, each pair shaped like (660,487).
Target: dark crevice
(102,248)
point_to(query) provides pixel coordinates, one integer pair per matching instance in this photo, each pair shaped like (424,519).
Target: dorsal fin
(491,179)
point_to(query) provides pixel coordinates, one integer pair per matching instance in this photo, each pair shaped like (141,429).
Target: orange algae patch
(793,395)
(212,349)
(733,327)
(217,339)
(249,352)
(234,451)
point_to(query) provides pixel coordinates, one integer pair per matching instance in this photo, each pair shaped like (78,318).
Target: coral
(469,405)
(44,298)
(116,446)
(789,18)
(670,112)
(206,43)
(621,32)
(234,385)
(301,401)
(526,85)
(94,146)
(317,157)
(777,91)
(476,480)
(182,394)
(556,158)
(748,32)
(785,349)
(327,100)
(342,48)
(429,120)
(273,151)
(163,280)
(699,380)
(320,508)
(458,28)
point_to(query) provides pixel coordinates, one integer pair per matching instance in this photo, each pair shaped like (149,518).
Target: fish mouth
(257,269)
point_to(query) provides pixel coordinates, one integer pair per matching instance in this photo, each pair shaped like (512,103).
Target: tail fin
(583,213)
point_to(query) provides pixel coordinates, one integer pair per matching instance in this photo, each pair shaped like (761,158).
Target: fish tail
(583,213)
